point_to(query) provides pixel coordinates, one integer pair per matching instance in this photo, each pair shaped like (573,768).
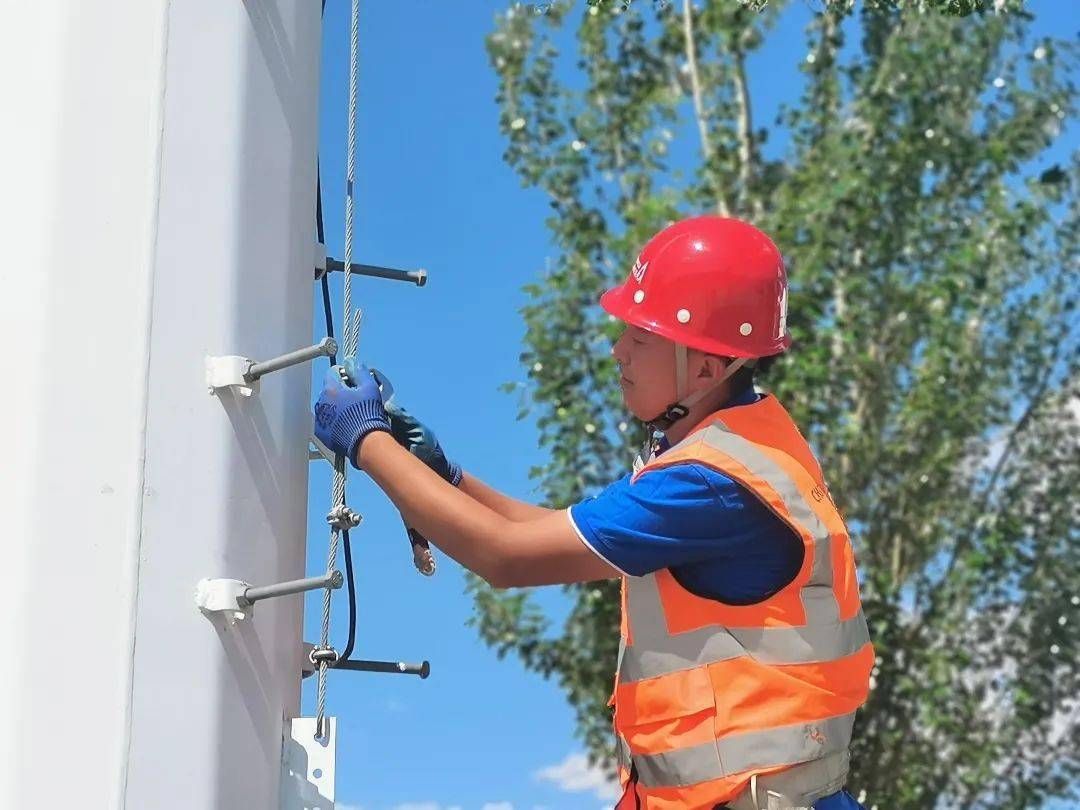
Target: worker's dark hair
(744,378)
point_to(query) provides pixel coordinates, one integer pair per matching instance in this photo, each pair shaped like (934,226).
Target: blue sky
(433,192)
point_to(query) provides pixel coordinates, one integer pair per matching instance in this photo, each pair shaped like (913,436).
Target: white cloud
(498,806)
(574,775)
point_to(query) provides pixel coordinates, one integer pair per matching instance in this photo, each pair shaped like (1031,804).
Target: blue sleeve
(838,801)
(672,516)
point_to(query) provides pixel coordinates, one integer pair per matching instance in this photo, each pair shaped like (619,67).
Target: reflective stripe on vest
(708,695)
(745,752)
(769,645)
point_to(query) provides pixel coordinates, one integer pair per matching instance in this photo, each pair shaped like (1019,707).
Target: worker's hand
(349,409)
(418,439)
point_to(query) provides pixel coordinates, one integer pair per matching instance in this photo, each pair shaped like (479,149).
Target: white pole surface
(157,202)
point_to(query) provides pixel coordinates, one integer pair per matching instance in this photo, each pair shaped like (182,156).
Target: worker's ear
(712,366)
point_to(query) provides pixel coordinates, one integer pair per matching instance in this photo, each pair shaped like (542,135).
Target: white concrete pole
(157,181)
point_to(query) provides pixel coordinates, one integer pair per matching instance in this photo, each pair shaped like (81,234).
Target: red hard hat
(710,283)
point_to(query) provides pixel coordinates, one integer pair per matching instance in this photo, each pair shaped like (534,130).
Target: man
(744,649)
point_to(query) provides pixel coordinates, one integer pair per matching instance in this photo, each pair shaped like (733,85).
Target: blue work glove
(348,410)
(418,439)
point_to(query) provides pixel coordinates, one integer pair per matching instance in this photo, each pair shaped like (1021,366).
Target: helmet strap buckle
(669,417)
(678,410)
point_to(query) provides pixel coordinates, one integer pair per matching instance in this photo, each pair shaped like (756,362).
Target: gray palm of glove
(418,439)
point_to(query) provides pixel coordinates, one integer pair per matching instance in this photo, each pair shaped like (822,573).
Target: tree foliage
(933,259)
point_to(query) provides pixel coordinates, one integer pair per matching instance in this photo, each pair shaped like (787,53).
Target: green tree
(934,281)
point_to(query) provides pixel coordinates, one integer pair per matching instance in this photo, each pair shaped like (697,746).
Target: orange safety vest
(710,697)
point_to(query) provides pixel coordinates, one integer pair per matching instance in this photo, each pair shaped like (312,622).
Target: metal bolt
(324,348)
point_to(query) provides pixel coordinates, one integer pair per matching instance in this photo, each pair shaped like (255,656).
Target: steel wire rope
(350,337)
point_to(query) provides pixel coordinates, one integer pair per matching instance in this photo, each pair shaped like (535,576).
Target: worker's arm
(421,441)
(506,506)
(351,419)
(507,553)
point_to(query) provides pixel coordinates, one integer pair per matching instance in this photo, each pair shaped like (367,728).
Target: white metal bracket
(224,597)
(307,766)
(230,371)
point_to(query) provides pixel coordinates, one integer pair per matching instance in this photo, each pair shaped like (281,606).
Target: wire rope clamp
(323,655)
(342,518)
(224,597)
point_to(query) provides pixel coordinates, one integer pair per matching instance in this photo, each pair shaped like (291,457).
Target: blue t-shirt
(838,801)
(719,540)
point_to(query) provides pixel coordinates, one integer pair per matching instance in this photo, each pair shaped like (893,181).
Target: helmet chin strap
(681,407)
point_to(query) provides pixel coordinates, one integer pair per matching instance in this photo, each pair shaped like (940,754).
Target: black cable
(329,317)
(318,203)
(327,309)
(352,598)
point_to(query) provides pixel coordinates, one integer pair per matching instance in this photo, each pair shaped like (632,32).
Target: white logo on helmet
(639,270)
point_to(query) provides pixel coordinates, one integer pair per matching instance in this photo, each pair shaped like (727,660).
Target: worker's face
(646,371)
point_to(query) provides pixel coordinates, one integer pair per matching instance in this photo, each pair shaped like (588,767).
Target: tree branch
(838,355)
(620,162)
(699,107)
(747,153)
(964,542)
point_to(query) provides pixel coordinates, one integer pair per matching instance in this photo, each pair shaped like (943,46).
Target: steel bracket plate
(307,766)
(224,597)
(230,371)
